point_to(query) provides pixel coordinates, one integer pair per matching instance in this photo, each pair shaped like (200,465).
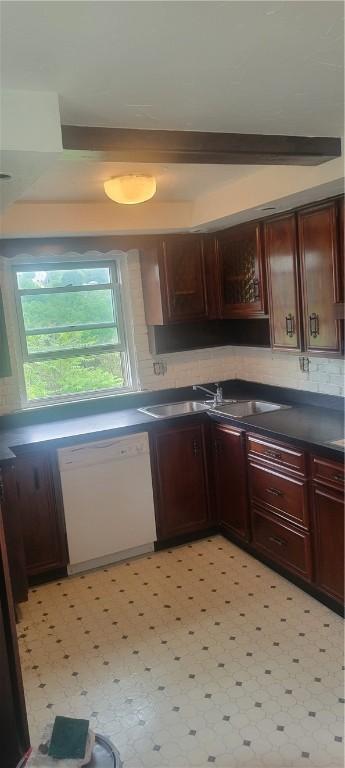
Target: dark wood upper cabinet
(318,244)
(283,283)
(173,276)
(230,479)
(180,480)
(41,513)
(341,225)
(241,274)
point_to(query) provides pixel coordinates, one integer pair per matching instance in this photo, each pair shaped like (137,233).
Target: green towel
(69,738)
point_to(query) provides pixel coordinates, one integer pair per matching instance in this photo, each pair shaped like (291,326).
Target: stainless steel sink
(175,409)
(243,408)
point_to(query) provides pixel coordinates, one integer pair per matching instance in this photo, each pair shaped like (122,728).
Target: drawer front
(328,472)
(285,496)
(276,453)
(285,545)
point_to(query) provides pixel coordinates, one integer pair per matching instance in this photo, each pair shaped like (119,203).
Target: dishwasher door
(108,500)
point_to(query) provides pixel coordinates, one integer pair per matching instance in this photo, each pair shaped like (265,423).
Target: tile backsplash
(185,368)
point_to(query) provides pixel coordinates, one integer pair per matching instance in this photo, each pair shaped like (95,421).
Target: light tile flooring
(195,656)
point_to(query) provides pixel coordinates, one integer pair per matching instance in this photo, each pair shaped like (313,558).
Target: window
(72,329)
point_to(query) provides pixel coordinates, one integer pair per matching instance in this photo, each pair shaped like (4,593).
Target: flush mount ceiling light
(131,189)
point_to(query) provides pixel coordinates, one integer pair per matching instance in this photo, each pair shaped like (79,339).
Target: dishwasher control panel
(101,451)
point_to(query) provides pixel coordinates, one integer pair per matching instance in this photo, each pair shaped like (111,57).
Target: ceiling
(252,67)
(81,180)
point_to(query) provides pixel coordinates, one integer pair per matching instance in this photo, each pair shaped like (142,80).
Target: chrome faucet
(217,395)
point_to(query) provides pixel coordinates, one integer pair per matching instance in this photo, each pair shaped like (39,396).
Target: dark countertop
(312,427)
(67,431)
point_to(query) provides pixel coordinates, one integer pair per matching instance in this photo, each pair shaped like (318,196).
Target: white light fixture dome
(131,189)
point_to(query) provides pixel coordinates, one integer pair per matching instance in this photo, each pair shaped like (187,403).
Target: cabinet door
(329,540)
(41,515)
(282,283)
(318,251)
(183,263)
(230,480)
(180,480)
(13,532)
(341,225)
(241,272)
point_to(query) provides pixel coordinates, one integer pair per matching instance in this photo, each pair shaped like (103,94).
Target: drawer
(283,544)
(275,453)
(328,472)
(285,496)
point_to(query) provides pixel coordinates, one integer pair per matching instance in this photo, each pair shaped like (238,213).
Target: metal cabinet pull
(256,285)
(273,455)
(280,542)
(290,325)
(274,492)
(196,448)
(338,477)
(314,325)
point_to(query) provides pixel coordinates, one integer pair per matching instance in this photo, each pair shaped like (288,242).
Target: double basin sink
(235,408)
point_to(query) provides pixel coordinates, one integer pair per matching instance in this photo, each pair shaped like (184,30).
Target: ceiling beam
(131,144)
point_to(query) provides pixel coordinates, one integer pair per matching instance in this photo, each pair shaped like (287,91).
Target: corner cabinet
(318,247)
(41,512)
(230,480)
(173,277)
(281,252)
(328,511)
(180,479)
(240,267)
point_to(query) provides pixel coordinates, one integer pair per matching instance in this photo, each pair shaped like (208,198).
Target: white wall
(325,375)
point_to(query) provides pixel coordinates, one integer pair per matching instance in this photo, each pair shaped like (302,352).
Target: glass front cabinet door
(241,272)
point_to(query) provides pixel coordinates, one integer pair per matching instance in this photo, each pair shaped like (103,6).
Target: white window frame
(117,264)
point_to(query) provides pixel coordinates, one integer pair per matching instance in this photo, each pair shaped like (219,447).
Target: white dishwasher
(108,500)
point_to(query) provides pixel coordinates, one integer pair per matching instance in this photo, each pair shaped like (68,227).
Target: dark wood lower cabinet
(41,512)
(328,510)
(13,533)
(14,734)
(180,479)
(230,479)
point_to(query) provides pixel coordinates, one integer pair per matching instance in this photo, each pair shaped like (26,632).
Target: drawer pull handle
(338,477)
(273,455)
(274,492)
(275,540)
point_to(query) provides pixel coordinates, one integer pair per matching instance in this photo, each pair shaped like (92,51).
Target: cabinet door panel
(230,480)
(184,279)
(43,533)
(282,495)
(284,544)
(182,504)
(13,533)
(241,272)
(329,540)
(282,281)
(318,251)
